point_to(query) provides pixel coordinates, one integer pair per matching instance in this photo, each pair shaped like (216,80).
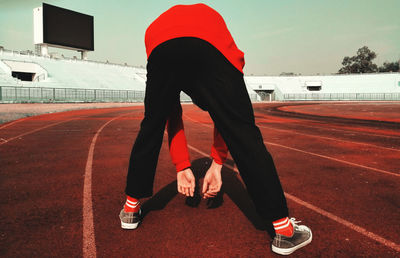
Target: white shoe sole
(129,225)
(287,251)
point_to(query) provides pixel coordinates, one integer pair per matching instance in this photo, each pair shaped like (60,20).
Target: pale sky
(300,36)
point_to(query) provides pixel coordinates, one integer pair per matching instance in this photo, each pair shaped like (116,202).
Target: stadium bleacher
(329,87)
(82,74)
(70,73)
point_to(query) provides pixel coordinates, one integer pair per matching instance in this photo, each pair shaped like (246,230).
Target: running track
(62,179)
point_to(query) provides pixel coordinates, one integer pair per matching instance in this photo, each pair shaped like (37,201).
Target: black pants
(197,68)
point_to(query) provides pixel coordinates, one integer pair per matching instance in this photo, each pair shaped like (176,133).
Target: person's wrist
(216,165)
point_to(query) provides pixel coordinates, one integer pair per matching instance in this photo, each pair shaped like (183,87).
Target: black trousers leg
(161,96)
(220,88)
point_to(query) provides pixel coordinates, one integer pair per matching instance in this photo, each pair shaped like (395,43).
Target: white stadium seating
(82,74)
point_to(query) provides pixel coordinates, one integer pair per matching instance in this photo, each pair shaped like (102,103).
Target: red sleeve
(219,150)
(177,140)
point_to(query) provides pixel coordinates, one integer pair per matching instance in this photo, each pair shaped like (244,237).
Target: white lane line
(329,215)
(335,129)
(89,242)
(35,130)
(334,159)
(198,122)
(11,123)
(328,138)
(319,155)
(349,131)
(38,129)
(207,155)
(346,223)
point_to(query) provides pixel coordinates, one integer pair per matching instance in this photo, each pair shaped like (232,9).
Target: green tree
(389,67)
(360,63)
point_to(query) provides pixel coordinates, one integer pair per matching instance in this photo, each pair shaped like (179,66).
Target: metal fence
(11,94)
(342,96)
(18,94)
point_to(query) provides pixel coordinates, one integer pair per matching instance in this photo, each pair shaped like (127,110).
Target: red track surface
(341,177)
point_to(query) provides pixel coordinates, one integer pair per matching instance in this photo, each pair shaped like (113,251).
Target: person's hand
(212,181)
(186,182)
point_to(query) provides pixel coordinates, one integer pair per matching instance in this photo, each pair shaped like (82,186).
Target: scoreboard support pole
(83,55)
(44,49)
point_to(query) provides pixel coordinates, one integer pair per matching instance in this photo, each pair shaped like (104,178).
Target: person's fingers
(205,194)
(187,191)
(192,191)
(192,186)
(209,195)
(205,186)
(212,193)
(183,190)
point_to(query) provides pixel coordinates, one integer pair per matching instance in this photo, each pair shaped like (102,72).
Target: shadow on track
(231,185)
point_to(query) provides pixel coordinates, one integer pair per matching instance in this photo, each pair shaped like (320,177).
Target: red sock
(131,204)
(283,227)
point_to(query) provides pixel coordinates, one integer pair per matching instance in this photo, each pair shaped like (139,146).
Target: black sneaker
(284,245)
(130,220)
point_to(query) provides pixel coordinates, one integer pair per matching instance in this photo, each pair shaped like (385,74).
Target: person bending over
(189,48)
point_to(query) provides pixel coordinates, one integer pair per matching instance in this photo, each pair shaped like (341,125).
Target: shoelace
(295,224)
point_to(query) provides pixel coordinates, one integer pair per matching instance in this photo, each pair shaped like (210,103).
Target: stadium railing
(11,94)
(18,94)
(341,96)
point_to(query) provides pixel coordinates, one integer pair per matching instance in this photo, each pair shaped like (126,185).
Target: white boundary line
(334,159)
(346,129)
(3,141)
(318,155)
(327,214)
(89,241)
(328,138)
(35,130)
(346,223)
(13,122)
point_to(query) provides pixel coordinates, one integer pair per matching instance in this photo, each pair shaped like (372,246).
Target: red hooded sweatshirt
(197,20)
(200,21)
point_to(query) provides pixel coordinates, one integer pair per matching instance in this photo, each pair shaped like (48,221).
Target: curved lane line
(35,130)
(346,223)
(3,141)
(14,122)
(327,138)
(324,213)
(89,241)
(334,159)
(318,155)
(347,131)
